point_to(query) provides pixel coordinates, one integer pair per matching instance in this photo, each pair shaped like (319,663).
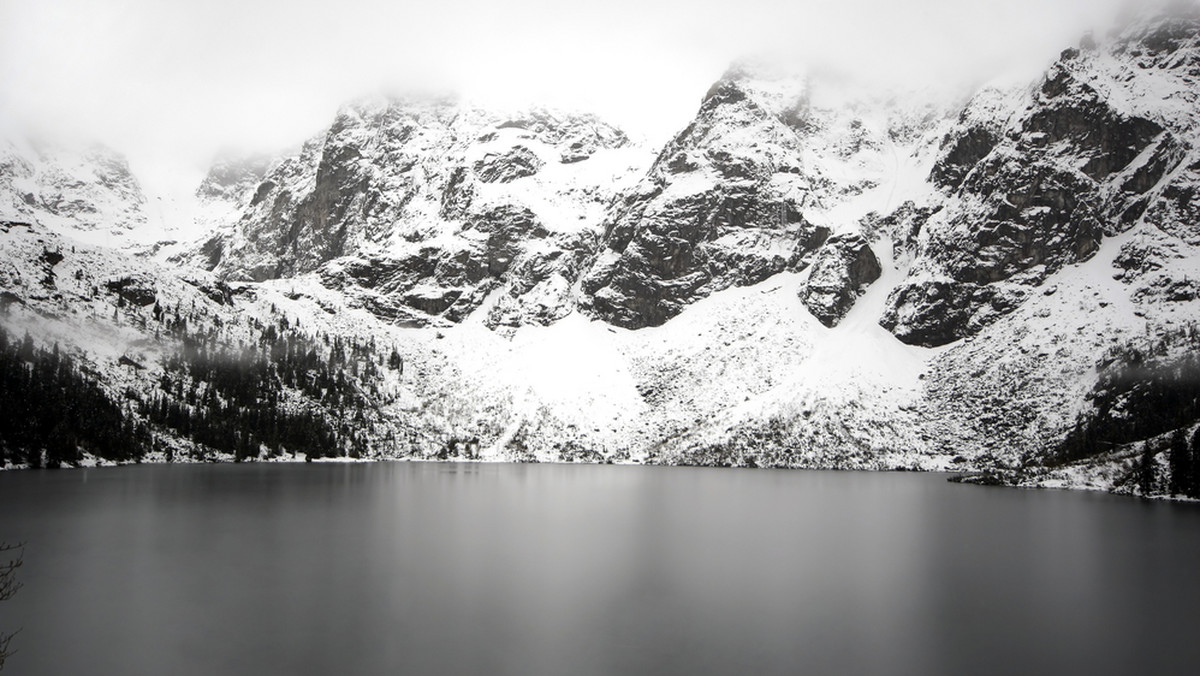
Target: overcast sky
(171,82)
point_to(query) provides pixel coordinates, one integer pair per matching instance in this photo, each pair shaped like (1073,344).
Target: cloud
(171,83)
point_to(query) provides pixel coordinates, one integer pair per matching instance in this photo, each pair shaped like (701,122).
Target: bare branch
(5,653)
(8,570)
(8,587)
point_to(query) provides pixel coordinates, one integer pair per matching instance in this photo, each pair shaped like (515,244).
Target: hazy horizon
(173,85)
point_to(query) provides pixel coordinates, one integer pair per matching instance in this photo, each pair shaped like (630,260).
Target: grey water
(417,568)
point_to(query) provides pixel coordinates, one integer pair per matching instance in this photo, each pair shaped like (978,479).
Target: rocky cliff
(420,209)
(804,276)
(752,187)
(1033,179)
(88,192)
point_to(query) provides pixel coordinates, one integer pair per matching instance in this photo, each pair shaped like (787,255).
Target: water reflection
(535,569)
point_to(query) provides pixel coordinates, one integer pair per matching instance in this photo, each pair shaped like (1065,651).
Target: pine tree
(1146,471)
(9,585)
(1179,460)
(1194,456)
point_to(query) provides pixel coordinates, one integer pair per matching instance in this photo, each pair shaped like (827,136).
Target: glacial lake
(422,568)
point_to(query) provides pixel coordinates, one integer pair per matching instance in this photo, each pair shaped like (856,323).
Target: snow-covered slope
(1064,247)
(806,275)
(418,209)
(771,165)
(87,192)
(1034,180)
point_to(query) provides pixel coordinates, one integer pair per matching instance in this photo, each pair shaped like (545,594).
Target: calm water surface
(548,569)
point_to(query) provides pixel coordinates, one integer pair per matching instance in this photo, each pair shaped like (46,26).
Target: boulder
(518,162)
(136,289)
(841,271)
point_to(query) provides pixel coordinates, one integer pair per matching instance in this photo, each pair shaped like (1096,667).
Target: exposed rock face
(231,179)
(723,205)
(903,226)
(68,189)
(841,271)
(507,245)
(420,209)
(940,311)
(452,203)
(692,247)
(136,289)
(961,151)
(540,280)
(770,165)
(518,162)
(1050,242)
(1032,187)
(1145,263)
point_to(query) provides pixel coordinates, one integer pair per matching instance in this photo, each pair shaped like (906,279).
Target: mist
(173,84)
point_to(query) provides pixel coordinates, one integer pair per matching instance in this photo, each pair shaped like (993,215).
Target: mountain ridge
(795,279)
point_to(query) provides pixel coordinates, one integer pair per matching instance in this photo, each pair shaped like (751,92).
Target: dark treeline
(50,410)
(1184,460)
(1141,393)
(286,392)
(1183,467)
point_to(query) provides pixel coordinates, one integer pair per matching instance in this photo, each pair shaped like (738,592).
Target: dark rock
(937,312)
(665,248)
(1140,257)
(1033,195)
(584,143)
(507,228)
(5,226)
(212,250)
(51,258)
(126,361)
(518,162)
(452,283)
(961,152)
(136,289)
(8,298)
(1176,211)
(458,195)
(902,226)
(842,269)
(1090,128)
(1031,214)
(264,189)
(539,283)
(1167,155)
(663,256)
(216,290)
(433,301)
(394,174)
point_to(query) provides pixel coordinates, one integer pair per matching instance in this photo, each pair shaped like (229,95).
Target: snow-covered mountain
(771,165)
(1034,180)
(805,275)
(1064,249)
(420,209)
(88,192)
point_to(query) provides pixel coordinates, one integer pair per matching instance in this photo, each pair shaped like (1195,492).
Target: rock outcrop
(739,195)
(236,179)
(419,209)
(71,190)
(840,273)
(1036,184)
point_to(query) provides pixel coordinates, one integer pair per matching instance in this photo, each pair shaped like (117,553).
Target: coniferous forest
(51,410)
(1147,392)
(286,393)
